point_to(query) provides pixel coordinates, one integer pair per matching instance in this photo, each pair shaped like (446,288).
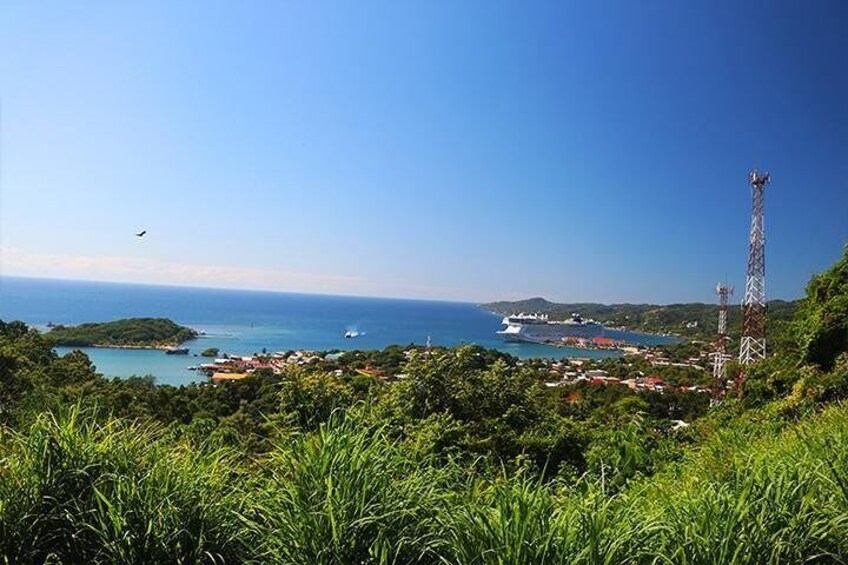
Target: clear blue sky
(460,150)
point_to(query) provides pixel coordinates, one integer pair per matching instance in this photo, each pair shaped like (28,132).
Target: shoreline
(164,347)
(145,333)
(624,329)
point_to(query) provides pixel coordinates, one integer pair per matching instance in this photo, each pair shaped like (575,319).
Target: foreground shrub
(781,499)
(74,490)
(347,494)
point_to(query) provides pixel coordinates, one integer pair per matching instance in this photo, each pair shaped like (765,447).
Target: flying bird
(141,233)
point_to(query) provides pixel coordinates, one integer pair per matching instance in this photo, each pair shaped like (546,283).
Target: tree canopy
(140,332)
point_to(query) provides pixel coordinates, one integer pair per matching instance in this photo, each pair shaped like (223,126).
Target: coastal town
(553,372)
(672,366)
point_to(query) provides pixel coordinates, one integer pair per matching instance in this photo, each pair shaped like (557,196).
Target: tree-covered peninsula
(691,320)
(130,332)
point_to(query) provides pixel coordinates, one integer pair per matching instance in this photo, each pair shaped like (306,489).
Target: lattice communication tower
(720,356)
(753,344)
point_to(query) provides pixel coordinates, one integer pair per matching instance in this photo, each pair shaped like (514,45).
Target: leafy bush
(821,326)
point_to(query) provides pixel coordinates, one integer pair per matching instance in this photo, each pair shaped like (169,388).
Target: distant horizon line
(236,289)
(354,296)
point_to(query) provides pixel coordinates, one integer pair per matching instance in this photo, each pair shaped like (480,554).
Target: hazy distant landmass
(694,319)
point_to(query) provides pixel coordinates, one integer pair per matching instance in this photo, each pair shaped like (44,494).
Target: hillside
(131,332)
(125,492)
(654,318)
(469,459)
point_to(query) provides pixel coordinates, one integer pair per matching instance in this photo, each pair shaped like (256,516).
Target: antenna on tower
(720,356)
(753,344)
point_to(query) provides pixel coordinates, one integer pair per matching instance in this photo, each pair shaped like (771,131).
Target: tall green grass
(74,489)
(347,494)
(769,500)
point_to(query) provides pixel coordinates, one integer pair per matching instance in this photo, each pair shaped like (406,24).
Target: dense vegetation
(690,320)
(135,332)
(468,459)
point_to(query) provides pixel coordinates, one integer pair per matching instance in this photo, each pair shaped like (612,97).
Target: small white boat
(351,333)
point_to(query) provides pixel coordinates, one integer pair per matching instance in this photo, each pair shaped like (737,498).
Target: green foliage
(210,352)
(766,497)
(514,519)
(308,398)
(465,401)
(810,346)
(130,332)
(821,326)
(620,453)
(73,491)
(345,494)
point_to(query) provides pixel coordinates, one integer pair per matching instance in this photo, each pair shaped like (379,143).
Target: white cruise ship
(538,328)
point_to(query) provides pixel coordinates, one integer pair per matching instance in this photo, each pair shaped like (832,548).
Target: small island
(130,333)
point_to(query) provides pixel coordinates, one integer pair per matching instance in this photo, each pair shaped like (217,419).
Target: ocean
(245,322)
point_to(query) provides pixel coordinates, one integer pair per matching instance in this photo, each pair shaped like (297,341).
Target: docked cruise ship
(538,328)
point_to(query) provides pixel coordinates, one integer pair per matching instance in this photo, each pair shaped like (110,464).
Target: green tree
(308,397)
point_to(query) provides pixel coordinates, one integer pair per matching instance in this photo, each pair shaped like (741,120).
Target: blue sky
(459,150)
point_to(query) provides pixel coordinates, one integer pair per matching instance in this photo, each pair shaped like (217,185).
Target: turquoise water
(245,322)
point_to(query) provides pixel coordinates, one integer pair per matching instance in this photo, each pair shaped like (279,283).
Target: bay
(245,322)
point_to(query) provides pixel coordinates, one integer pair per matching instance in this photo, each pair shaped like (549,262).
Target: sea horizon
(244,322)
(236,289)
(478,303)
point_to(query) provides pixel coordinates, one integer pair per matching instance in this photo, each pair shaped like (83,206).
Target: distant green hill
(693,319)
(131,332)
